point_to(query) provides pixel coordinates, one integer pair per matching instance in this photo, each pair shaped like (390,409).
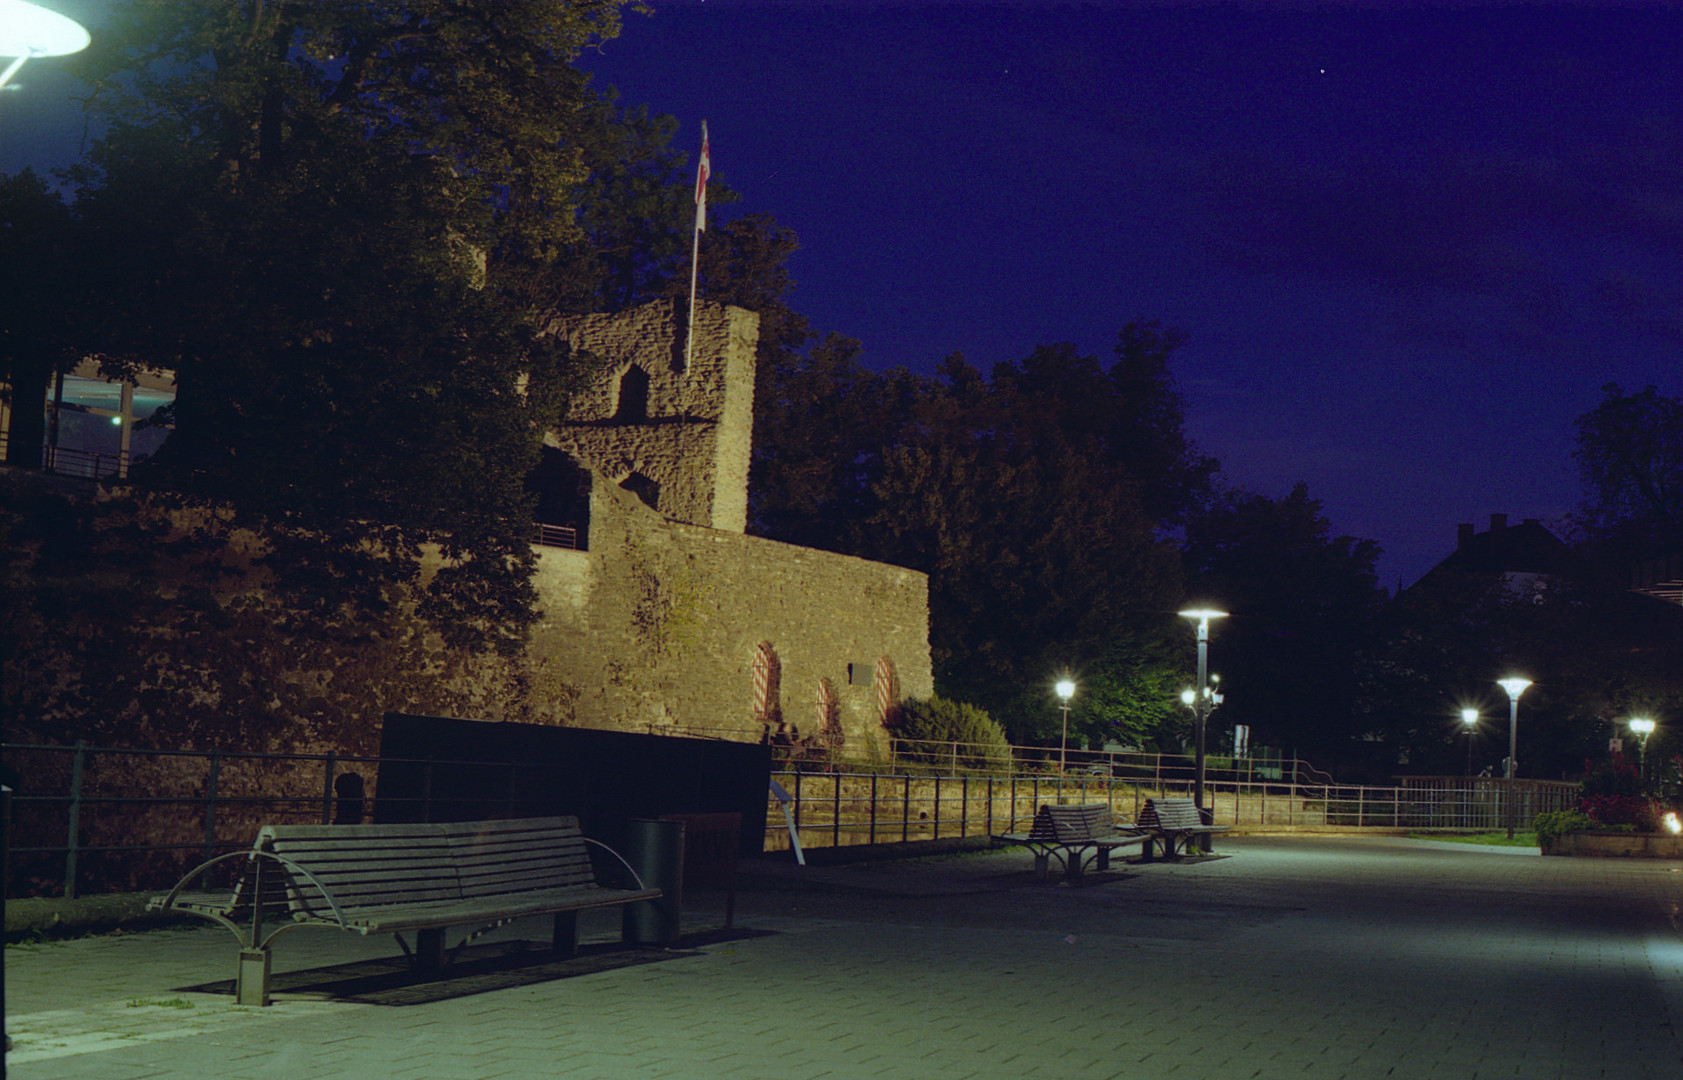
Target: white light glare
(28,31)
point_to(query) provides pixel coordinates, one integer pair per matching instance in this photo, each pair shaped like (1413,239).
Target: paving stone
(1306,957)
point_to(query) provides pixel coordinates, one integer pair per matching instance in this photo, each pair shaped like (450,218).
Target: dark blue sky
(1409,242)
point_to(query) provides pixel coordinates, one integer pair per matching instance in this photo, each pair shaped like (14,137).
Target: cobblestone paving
(1302,957)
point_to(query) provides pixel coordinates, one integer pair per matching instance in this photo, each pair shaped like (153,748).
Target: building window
(562,487)
(828,716)
(768,690)
(633,396)
(888,692)
(644,488)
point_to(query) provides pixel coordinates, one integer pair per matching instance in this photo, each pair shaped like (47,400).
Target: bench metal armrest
(635,876)
(255,941)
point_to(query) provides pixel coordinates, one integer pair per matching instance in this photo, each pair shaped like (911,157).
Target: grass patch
(167,1003)
(1488,839)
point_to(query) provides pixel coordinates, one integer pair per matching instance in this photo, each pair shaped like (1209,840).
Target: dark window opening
(562,515)
(633,397)
(644,488)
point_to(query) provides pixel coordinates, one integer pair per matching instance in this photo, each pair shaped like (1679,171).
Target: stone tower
(677,437)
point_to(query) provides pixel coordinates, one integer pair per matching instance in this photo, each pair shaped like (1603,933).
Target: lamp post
(1642,727)
(1515,686)
(1201,703)
(1469,717)
(28,31)
(1066,690)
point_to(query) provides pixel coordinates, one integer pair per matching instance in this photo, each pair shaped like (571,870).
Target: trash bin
(655,849)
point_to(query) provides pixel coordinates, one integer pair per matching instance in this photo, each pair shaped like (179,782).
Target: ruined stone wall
(657,625)
(696,436)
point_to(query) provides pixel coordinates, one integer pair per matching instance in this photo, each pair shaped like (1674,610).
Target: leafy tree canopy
(1035,497)
(1302,605)
(343,227)
(1630,456)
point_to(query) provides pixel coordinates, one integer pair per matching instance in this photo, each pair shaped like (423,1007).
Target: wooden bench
(1172,822)
(396,879)
(1069,831)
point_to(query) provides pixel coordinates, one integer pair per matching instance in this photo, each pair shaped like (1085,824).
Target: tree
(1630,456)
(1302,606)
(1035,498)
(337,224)
(39,254)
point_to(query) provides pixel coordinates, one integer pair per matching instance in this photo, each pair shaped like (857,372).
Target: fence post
(935,819)
(963,807)
(906,811)
(212,784)
(835,818)
(328,769)
(75,823)
(873,806)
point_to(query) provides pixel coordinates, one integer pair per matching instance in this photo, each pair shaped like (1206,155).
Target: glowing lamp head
(1469,717)
(1065,688)
(1188,696)
(1514,685)
(1671,823)
(29,30)
(1641,725)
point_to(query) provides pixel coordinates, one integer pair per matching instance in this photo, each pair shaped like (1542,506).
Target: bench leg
(1042,867)
(251,983)
(567,933)
(1101,859)
(429,950)
(1072,865)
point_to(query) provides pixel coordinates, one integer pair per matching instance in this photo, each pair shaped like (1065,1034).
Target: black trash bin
(655,849)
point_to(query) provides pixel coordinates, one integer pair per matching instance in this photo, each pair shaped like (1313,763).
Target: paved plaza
(1284,957)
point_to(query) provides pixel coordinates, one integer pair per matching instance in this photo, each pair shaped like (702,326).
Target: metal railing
(556,536)
(107,819)
(841,808)
(114,819)
(81,464)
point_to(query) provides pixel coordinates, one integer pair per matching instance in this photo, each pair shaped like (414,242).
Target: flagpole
(689,331)
(703,169)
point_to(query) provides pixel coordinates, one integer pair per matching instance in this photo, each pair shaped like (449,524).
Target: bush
(981,740)
(1616,776)
(1551,825)
(1622,810)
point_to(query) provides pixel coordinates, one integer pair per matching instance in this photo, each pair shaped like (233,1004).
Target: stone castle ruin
(665,614)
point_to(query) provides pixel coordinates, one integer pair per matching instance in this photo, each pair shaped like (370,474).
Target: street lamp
(1202,703)
(1642,727)
(1066,690)
(1470,718)
(28,31)
(1515,686)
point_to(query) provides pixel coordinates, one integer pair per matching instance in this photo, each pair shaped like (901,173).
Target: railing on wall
(102,819)
(841,808)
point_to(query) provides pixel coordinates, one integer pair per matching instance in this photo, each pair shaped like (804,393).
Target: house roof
(1526,548)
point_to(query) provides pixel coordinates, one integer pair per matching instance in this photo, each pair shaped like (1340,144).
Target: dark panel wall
(449,769)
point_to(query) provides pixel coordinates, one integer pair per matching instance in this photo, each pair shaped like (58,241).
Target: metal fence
(838,808)
(101,819)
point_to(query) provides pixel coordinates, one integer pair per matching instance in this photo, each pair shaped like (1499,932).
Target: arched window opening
(633,396)
(828,716)
(562,486)
(887,682)
(644,488)
(768,691)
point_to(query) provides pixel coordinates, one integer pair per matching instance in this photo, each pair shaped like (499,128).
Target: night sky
(1409,242)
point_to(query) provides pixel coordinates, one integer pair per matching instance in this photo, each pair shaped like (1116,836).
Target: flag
(702,171)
